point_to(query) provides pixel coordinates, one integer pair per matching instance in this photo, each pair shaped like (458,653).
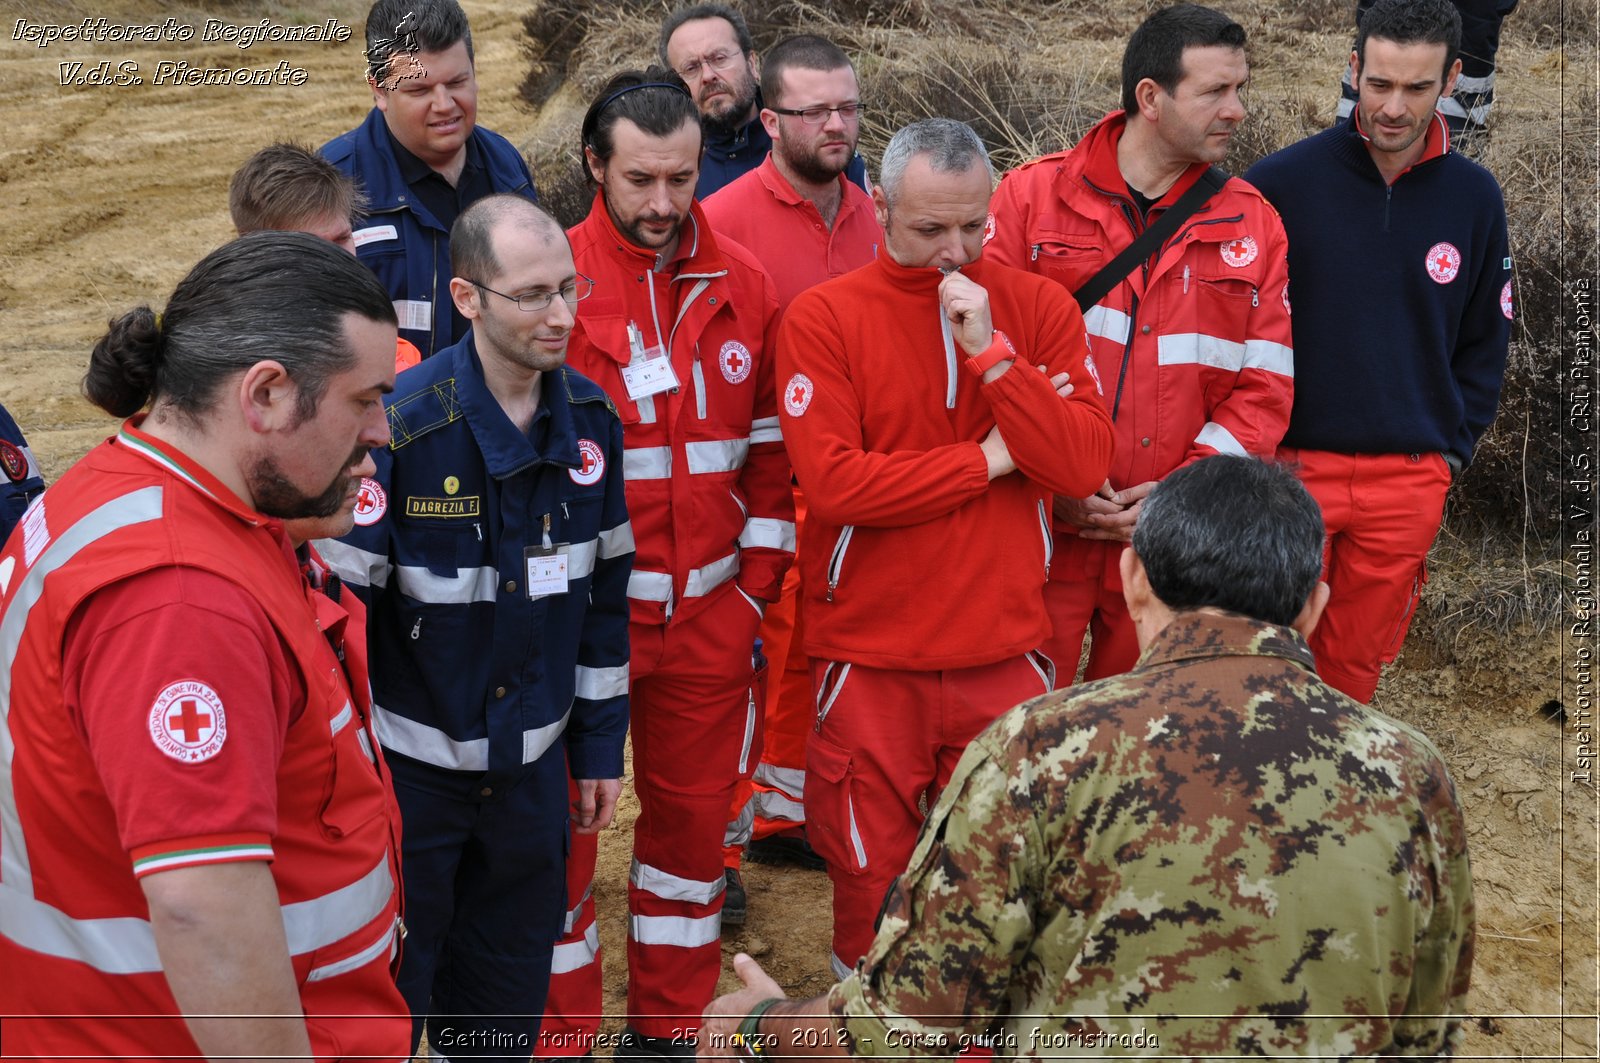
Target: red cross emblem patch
(13,462)
(1444,262)
(797,394)
(371,502)
(1505,302)
(1240,253)
(734,358)
(187,722)
(591,463)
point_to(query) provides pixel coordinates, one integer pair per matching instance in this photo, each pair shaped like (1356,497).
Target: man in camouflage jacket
(1216,853)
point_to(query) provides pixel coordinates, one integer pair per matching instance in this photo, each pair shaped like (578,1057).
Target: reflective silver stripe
(1451,106)
(321,921)
(597,684)
(615,542)
(855,832)
(380,947)
(1219,438)
(1107,323)
(647,463)
(339,722)
(428,744)
(650,586)
(467,586)
(670,887)
(765,430)
(1464,83)
(580,558)
(707,578)
(740,828)
(111,946)
(699,387)
(366,745)
(769,804)
(33,464)
(432,746)
(1346,106)
(136,507)
(716,455)
(841,970)
(1272,357)
(791,781)
(676,930)
(576,910)
(1188,348)
(768,532)
(359,568)
(572,956)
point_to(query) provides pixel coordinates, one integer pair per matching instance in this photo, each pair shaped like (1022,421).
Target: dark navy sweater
(1401,297)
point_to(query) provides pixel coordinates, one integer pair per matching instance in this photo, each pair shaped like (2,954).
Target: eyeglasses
(849,112)
(578,290)
(715,61)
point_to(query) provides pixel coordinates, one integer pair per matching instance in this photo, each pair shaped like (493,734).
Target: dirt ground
(112,192)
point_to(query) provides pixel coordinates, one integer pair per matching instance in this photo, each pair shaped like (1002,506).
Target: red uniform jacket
(914,559)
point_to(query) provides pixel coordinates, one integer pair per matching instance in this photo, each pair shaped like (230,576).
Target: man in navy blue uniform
(493,549)
(20,479)
(422,160)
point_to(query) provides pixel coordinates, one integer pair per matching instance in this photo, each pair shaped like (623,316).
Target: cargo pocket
(830,806)
(1402,623)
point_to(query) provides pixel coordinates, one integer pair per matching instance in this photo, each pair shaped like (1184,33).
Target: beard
(275,496)
(728,118)
(811,166)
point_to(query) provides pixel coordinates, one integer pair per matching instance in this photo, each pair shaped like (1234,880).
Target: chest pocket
(353,794)
(607,334)
(1215,290)
(1066,258)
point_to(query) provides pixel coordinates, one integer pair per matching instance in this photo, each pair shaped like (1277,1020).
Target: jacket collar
(921,279)
(1435,143)
(1194,634)
(1100,167)
(773,181)
(177,463)
(506,450)
(750,136)
(697,254)
(386,186)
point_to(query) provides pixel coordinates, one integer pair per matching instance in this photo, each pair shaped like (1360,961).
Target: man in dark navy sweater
(1401,281)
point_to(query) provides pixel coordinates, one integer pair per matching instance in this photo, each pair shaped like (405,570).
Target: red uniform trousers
(693,725)
(1084,595)
(884,744)
(771,800)
(572,1008)
(1382,513)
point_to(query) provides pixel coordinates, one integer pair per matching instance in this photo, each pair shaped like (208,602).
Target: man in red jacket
(679,332)
(932,404)
(1192,343)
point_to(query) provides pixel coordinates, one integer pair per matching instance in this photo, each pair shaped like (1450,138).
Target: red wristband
(999,350)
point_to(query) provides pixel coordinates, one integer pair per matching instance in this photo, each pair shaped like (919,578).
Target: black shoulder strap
(1096,287)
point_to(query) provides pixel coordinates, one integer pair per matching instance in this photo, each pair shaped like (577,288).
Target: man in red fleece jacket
(932,404)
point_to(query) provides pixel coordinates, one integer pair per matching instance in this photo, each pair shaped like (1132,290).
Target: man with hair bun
(679,333)
(1215,854)
(200,853)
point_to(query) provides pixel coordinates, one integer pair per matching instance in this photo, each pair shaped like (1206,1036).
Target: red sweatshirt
(913,558)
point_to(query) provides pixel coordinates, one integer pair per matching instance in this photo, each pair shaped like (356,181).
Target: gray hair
(1232,533)
(951,147)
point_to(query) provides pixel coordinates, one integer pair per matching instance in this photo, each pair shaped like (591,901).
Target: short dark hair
(1411,22)
(806,51)
(472,254)
(403,25)
(268,295)
(700,11)
(655,99)
(1232,533)
(284,184)
(1155,50)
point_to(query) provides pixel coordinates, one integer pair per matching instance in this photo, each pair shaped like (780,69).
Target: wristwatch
(999,350)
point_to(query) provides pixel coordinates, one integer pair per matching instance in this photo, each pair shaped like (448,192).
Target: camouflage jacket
(1215,853)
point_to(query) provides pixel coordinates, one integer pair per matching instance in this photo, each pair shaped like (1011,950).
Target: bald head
(472,238)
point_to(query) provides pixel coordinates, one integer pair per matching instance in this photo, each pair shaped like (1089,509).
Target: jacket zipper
(1049,540)
(836,562)
(949,360)
(699,384)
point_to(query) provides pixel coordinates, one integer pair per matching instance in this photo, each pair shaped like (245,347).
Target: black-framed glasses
(575,291)
(717,61)
(850,112)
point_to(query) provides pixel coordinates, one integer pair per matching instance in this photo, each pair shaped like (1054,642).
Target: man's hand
(1119,526)
(997,454)
(723,1015)
(1079,512)
(966,304)
(1062,382)
(596,804)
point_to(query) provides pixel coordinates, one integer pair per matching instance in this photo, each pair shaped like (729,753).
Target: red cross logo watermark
(735,361)
(1240,253)
(1443,262)
(797,394)
(187,722)
(371,502)
(591,463)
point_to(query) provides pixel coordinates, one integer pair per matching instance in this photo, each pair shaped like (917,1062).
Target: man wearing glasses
(709,46)
(493,548)
(807,223)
